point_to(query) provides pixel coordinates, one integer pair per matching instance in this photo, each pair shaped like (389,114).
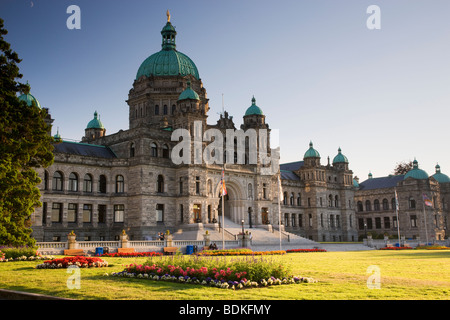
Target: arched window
(336,201)
(299,199)
(156,110)
(160,184)
(102,184)
(73,182)
(368,206)
(285,196)
(393,203)
(376,205)
(57,181)
(165,110)
(120,184)
(174,107)
(87,184)
(153,150)
(291,199)
(385,204)
(132,150)
(330,200)
(165,151)
(360,206)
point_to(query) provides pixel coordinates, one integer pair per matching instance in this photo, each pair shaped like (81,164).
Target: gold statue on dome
(168,15)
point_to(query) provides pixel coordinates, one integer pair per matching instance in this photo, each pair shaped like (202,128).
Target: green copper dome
(416,173)
(254,109)
(439,176)
(189,93)
(168,61)
(340,158)
(29,99)
(311,152)
(95,123)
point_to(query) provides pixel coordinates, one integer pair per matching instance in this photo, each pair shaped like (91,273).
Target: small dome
(57,137)
(311,152)
(340,158)
(95,123)
(440,177)
(254,109)
(188,93)
(416,173)
(29,99)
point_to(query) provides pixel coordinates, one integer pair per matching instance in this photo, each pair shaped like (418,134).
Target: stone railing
(381,243)
(57,248)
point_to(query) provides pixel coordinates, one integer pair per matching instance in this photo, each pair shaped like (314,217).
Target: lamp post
(242,222)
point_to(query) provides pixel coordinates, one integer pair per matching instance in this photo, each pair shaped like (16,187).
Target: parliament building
(128,180)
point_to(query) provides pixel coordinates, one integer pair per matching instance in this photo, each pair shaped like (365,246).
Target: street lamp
(242,222)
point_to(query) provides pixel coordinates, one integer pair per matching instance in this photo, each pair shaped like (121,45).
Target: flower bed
(435,247)
(244,272)
(79,261)
(306,250)
(233,252)
(132,254)
(396,248)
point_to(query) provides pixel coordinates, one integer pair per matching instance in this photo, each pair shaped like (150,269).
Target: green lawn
(411,274)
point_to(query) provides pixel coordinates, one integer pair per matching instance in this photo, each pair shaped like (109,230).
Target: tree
(403,167)
(25,144)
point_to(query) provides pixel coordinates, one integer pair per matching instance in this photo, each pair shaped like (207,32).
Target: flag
(396,200)
(223,188)
(280,190)
(427,200)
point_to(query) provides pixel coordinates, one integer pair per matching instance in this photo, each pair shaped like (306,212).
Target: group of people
(161,236)
(213,246)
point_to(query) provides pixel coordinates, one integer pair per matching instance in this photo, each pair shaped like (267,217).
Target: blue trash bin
(189,249)
(99,251)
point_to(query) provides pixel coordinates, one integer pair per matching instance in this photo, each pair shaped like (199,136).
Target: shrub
(306,250)
(18,252)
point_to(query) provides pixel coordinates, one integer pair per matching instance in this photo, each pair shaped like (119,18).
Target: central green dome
(168,61)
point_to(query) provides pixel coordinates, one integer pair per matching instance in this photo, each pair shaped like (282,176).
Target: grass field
(410,274)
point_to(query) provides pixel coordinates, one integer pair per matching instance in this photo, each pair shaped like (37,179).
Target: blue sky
(317,72)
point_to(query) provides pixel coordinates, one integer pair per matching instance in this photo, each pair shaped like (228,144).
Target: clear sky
(316,70)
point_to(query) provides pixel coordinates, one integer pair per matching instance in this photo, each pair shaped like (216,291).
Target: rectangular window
(300,220)
(394,222)
(56,212)
(369,223)
(159,213)
(338,221)
(101,213)
(310,220)
(87,213)
(361,224)
(378,223)
(197,185)
(72,212)
(44,213)
(387,223)
(414,221)
(119,212)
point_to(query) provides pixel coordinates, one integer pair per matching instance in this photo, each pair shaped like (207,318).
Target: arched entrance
(235,208)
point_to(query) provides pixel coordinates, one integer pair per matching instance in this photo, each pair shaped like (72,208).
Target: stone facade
(377,214)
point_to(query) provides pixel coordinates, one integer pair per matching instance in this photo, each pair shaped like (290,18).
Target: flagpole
(396,213)
(279,205)
(223,207)
(425,218)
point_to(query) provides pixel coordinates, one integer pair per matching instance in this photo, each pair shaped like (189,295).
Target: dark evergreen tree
(25,144)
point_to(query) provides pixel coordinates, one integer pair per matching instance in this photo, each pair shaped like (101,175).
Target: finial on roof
(168,15)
